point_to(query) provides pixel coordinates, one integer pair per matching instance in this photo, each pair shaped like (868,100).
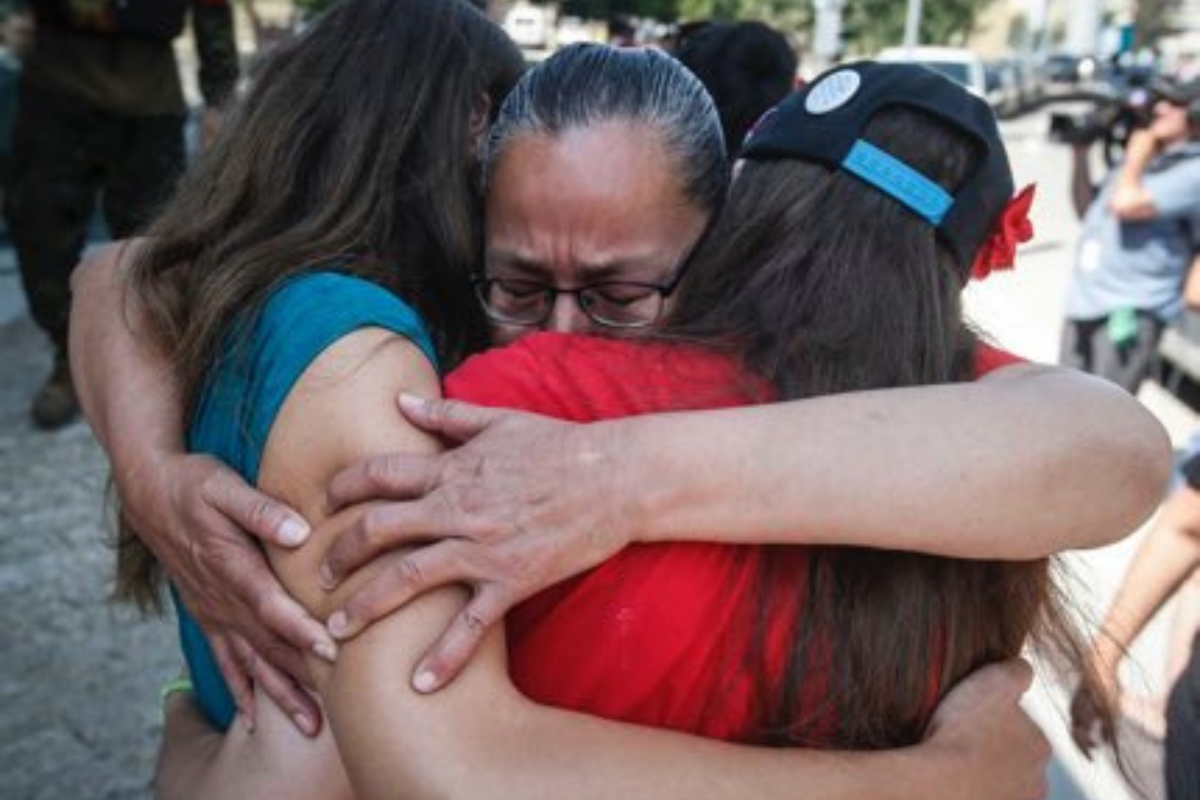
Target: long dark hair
(352,151)
(823,284)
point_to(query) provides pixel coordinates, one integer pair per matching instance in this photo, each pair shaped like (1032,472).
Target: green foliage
(788,15)
(711,9)
(1150,22)
(307,9)
(880,23)
(875,23)
(605,9)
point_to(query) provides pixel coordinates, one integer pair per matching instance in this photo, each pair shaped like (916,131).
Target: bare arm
(1083,189)
(480,738)
(1000,468)
(856,469)
(1009,460)
(1130,201)
(198,762)
(1164,561)
(1191,285)
(190,510)
(1168,555)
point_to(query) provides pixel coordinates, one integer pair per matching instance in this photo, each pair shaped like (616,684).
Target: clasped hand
(519,503)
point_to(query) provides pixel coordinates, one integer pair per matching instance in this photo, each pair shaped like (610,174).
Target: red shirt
(660,634)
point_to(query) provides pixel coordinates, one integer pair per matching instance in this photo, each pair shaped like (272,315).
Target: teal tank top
(248,386)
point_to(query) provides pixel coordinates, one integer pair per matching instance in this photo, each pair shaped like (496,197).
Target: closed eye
(520,290)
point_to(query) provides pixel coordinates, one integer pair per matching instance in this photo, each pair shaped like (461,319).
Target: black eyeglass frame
(482,284)
(550,294)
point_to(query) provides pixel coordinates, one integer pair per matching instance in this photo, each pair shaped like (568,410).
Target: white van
(953,62)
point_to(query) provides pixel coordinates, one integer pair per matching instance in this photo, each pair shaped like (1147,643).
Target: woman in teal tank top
(239,405)
(318,229)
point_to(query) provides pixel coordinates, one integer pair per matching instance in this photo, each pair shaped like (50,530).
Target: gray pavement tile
(79,678)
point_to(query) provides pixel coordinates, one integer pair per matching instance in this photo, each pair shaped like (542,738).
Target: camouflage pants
(66,158)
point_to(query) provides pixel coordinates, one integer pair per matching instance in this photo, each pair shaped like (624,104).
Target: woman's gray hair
(591,84)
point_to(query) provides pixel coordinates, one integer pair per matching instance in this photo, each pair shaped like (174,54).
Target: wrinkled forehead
(602,198)
(621,148)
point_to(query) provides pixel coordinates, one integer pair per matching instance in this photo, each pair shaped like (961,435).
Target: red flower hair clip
(999,251)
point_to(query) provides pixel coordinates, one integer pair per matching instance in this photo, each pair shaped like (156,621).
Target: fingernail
(247,723)
(410,402)
(326,651)
(424,681)
(325,575)
(304,724)
(338,624)
(292,532)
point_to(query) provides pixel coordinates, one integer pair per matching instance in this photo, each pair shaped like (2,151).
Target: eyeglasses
(612,304)
(626,305)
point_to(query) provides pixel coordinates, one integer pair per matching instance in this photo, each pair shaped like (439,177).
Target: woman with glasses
(619,305)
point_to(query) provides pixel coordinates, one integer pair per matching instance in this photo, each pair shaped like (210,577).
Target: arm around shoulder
(124,382)
(1131,201)
(479,737)
(1025,463)
(1112,462)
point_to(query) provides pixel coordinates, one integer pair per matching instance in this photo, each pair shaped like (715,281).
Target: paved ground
(79,678)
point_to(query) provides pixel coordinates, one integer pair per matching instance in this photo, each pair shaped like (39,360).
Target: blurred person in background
(1141,229)
(747,67)
(622,32)
(101,118)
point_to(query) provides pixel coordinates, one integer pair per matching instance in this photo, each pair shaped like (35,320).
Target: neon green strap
(177,685)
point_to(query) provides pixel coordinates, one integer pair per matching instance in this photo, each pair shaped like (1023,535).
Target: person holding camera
(1141,230)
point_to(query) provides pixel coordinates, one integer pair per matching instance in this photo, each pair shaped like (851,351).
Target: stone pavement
(79,677)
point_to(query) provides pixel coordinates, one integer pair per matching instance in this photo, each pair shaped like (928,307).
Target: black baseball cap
(825,121)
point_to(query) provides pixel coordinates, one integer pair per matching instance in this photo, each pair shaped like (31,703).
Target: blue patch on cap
(899,180)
